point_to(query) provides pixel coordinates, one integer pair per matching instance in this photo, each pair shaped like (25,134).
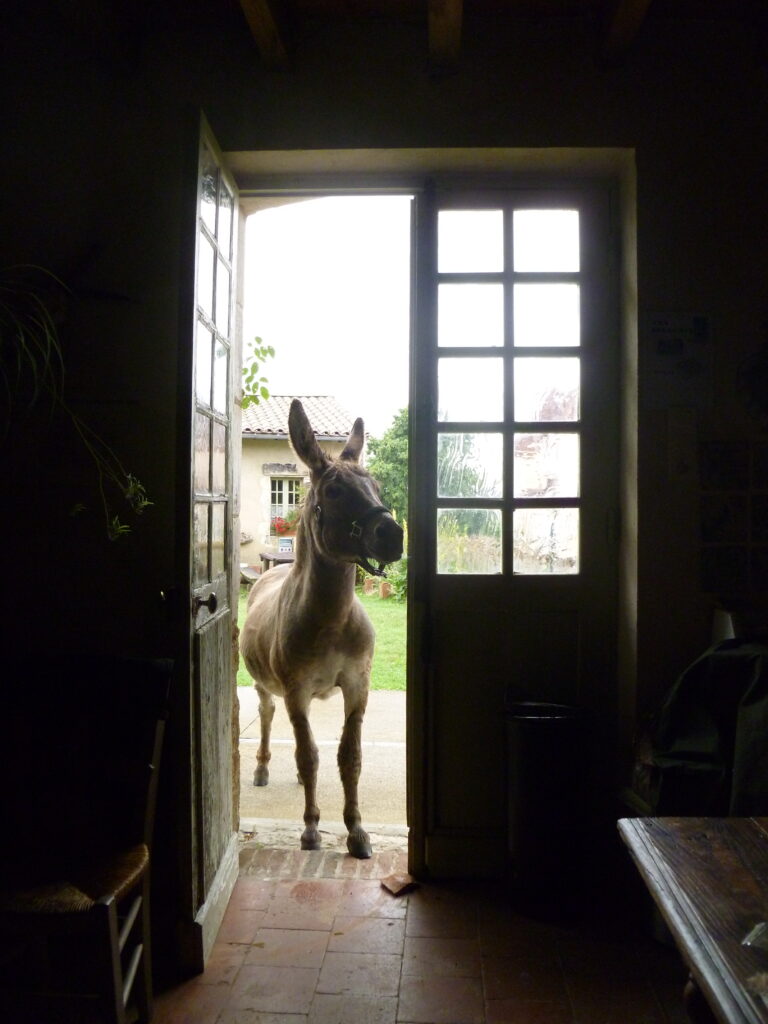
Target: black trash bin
(546,761)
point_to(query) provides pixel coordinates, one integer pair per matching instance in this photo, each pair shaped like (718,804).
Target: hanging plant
(32,305)
(30,353)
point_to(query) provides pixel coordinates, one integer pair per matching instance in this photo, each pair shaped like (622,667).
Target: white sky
(327,285)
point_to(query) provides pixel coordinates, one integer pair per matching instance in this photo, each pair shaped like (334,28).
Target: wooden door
(514,475)
(213,581)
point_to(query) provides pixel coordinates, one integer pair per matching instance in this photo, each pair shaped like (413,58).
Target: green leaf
(116,529)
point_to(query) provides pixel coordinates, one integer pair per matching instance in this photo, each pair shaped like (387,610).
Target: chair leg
(143,982)
(109,968)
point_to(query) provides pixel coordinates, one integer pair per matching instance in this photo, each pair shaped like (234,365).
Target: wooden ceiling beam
(445,18)
(622,20)
(265,29)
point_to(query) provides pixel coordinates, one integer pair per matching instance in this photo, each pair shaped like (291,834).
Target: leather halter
(356,531)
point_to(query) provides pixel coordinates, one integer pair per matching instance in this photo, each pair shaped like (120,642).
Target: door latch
(210,602)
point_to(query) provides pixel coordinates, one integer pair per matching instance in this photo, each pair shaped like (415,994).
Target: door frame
(328,172)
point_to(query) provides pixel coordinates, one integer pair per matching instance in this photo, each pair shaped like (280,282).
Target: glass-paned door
(215,353)
(515,429)
(213,342)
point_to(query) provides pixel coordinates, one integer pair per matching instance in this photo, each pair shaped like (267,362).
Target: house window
(283,503)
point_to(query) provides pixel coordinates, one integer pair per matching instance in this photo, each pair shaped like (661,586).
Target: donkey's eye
(333,491)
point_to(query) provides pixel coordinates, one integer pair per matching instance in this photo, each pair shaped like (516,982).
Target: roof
(269,419)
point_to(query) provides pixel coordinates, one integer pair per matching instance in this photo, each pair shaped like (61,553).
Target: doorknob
(210,602)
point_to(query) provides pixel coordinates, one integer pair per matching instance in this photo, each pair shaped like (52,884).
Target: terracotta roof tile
(270,417)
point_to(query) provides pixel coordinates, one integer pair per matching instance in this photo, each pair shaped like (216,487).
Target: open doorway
(327,287)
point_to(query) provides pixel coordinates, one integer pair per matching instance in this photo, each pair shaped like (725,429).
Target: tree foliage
(388,463)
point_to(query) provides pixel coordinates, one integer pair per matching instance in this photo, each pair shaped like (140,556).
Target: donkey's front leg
(307,760)
(266,714)
(350,760)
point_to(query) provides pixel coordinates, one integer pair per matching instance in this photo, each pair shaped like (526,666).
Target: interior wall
(99,116)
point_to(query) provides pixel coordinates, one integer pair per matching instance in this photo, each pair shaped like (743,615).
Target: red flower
(280,524)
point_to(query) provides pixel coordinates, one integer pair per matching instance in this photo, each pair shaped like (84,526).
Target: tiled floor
(314,938)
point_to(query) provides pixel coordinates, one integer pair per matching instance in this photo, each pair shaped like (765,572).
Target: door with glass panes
(515,429)
(214,469)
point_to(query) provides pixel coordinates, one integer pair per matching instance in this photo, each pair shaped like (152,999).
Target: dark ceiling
(617,24)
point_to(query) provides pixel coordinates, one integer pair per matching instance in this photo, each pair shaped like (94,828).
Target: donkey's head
(343,512)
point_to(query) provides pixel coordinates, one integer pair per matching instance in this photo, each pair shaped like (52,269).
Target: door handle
(210,602)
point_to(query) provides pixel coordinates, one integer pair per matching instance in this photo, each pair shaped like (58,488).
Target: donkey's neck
(325,587)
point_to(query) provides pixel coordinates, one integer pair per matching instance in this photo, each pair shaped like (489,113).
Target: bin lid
(532,709)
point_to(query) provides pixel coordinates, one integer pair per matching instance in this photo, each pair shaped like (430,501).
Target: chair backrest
(81,737)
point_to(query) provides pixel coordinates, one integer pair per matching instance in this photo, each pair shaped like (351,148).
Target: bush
(397,575)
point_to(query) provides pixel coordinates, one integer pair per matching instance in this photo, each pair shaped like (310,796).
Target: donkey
(306,632)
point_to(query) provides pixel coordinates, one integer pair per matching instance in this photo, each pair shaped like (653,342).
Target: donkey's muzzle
(383,538)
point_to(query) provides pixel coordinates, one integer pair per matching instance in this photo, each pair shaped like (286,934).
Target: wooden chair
(81,745)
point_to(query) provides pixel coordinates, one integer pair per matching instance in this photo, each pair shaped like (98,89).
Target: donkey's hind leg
(263,754)
(350,759)
(307,760)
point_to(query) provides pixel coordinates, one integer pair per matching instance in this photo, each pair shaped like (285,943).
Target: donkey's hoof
(261,775)
(359,844)
(310,839)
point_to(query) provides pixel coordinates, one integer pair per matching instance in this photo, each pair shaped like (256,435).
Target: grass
(388,618)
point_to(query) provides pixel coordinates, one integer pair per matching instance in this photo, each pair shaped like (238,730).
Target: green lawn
(388,618)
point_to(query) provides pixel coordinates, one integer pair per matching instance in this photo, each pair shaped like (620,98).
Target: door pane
(224,234)
(209,176)
(202,453)
(200,547)
(470,314)
(205,258)
(470,389)
(545,240)
(470,241)
(219,459)
(220,377)
(203,364)
(545,541)
(222,298)
(470,465)
(547,389)
(547,314)
(218,537)
(546,465)
(468,541)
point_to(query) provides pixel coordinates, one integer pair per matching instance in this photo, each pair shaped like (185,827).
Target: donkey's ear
(303,439)
(355,442)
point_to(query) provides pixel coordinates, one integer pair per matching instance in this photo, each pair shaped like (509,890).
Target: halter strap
(356,531)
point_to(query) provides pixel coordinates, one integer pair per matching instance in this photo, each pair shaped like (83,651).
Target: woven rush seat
(79,889)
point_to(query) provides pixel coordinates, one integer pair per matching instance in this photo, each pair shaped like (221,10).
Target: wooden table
(709,878)
(271,558)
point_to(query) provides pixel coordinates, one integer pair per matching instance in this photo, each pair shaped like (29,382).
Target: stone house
(271,476)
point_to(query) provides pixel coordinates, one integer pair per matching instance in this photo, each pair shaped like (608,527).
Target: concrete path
(382,782)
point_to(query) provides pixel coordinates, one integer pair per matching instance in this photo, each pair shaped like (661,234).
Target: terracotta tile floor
(314,938)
